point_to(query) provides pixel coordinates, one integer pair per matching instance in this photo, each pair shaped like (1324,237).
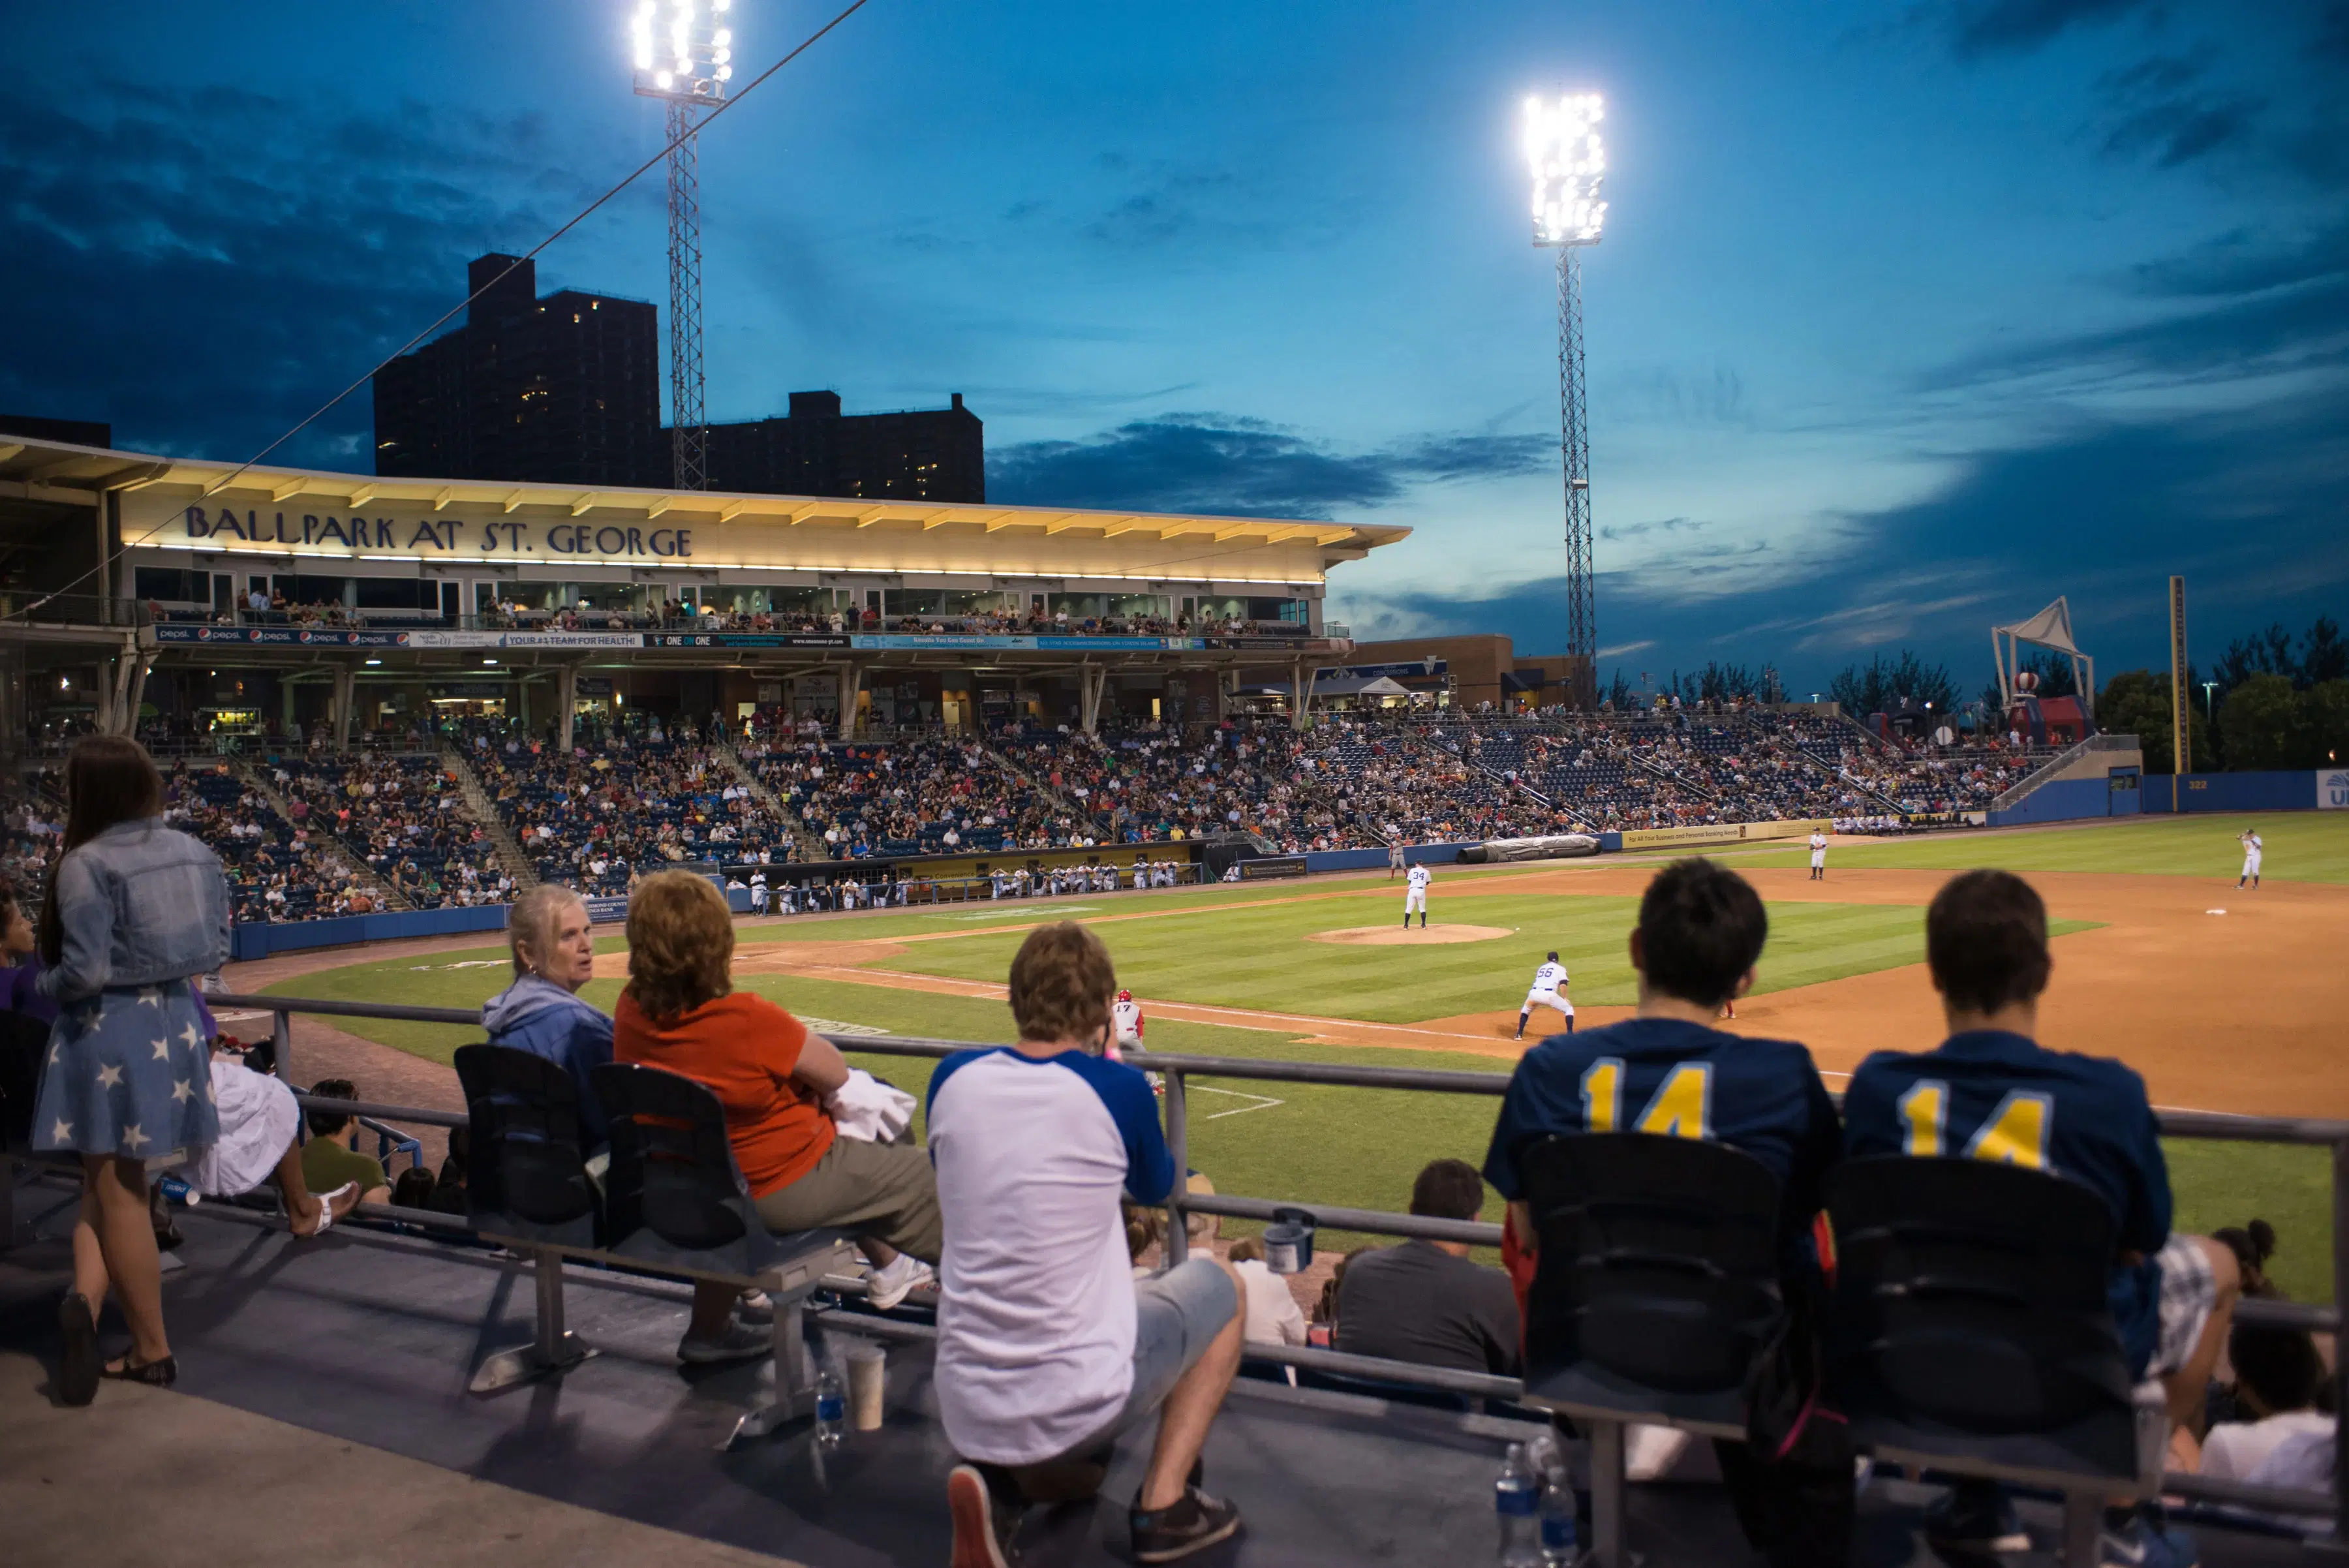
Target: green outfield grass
(2301,847)
(1261,958)
(1355,1148)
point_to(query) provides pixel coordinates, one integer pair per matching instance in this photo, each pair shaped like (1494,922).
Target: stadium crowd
(405,817)
(1050,1343)
(277,870)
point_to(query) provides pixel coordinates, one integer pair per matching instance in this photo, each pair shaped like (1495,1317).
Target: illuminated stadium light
(1569,163)
(679,51)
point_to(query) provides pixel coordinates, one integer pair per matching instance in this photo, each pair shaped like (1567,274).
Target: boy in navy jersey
(1992,1092)
(1667,1070)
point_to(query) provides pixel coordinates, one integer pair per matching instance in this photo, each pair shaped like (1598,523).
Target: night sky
(1909,315)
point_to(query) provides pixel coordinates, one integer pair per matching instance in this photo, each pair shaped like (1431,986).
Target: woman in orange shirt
(682,1012)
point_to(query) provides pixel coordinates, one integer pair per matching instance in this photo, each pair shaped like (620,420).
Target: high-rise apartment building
(559,391)
(921,454)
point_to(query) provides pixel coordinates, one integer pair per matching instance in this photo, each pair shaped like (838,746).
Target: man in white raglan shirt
(1048,1348)
(1818,856)
(1414,900)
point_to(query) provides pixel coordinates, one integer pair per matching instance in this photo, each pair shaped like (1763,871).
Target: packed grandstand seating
(405,817)
(624,804)
(276,870)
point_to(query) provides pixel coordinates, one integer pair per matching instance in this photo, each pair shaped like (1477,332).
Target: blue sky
(1909,317)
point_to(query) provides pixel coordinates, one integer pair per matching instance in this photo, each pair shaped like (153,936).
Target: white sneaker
(884,1288)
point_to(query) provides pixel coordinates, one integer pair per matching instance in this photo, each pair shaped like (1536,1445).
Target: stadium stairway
(368,1342)
(485,811)
(258,782)
(727,757)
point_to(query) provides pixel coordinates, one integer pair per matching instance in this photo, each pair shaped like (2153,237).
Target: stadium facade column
(342,706)
(1299,690)
(566,697)
(1092,678)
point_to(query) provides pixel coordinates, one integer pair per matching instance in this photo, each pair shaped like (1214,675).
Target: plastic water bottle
(1516,1502)
(830,1406)
(1561,1543)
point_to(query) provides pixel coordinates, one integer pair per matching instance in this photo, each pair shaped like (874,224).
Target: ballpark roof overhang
(732,531)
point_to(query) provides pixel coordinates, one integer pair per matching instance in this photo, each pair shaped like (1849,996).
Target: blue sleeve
(85,930)
(2145,1226)
(1869,1124)
(1819,1149)
(1528,1111)
(591,1047)
(1125,1093)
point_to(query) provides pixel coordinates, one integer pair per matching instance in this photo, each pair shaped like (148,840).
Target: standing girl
(133,911)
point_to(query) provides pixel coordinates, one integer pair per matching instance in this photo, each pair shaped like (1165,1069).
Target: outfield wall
(2323,789)
(1317,860)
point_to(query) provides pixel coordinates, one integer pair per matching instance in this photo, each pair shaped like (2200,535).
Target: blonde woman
(542,1011)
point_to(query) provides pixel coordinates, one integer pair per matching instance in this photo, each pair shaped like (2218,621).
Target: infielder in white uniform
(1394,860)
(1415,900)
(1818,856)
(1125,1034)
(2252,850)
(1548,990)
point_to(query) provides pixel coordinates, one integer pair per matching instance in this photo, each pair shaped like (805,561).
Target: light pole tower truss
(1568,164)
(684,56)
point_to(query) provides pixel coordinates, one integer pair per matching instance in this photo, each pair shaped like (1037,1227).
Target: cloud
(2246,504)
(203,268)
(2018,26)
(1654,525)
(1242,468)
(2161,110)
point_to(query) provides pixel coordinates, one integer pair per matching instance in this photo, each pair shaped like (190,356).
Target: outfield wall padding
(2323,789)
(1319,860)
(251,940)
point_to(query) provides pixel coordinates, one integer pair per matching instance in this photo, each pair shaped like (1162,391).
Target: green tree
(2136,703)
(2325,708)
(2263,725)
(1877,686)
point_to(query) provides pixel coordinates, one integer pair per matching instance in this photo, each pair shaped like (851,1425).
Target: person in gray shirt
(1425,1301)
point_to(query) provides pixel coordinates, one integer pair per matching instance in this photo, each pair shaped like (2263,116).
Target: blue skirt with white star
(129,1073)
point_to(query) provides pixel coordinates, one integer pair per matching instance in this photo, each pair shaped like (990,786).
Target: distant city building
(559,391)
(75,432)
(921,454)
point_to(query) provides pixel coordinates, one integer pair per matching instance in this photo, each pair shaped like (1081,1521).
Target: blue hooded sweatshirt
(539,1016)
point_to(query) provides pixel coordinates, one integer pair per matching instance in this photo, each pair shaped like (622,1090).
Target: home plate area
(1412,936)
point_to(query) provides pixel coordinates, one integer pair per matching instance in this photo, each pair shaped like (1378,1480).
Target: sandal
(161,1373)
(326,1211)
(79,1367)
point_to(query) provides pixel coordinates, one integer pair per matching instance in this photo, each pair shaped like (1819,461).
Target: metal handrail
(1178,1069)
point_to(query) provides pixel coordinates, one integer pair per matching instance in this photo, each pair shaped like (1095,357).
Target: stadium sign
(429,537)
(1720,833)
(2332,790)
(282,635)
(606,911)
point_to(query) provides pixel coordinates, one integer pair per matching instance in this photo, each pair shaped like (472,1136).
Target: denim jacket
(137,905)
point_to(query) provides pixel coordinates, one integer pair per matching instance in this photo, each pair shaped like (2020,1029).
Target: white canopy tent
(2050,628)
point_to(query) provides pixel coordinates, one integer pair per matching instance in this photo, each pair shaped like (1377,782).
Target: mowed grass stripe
(1263,958)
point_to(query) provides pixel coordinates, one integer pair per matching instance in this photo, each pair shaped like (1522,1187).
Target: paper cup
(868,1368)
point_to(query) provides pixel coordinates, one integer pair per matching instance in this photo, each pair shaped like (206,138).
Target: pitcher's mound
(1417,936)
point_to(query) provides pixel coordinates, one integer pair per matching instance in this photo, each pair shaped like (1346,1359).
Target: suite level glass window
(307,590)
(167,586)
(951,602)
(1141,607)
(1080,606)
(1297,612)
(407,594)
(622,597)
(792,599)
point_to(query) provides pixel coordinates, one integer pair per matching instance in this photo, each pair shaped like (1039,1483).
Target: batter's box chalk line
(2214,911)
(1262,1102)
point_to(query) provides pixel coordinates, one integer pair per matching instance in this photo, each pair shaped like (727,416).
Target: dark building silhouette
(73,433)
(559,391)
(922,454)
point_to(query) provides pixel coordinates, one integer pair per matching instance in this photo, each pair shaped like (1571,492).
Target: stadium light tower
(1569,163)
(684,54)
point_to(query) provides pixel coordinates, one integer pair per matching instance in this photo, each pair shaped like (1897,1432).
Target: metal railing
(1178,1070)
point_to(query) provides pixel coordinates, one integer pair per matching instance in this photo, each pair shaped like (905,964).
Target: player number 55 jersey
(1549,977)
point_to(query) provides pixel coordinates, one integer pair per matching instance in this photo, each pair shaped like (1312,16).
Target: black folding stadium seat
(527,1187)
(1656,1287)
(1969,1331)
(677,1201)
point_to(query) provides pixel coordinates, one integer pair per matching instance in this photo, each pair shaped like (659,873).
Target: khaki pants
(886,1193)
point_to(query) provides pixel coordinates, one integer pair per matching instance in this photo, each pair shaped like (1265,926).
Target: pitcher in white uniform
(1548,990)
(2252,851)
(1414,903)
